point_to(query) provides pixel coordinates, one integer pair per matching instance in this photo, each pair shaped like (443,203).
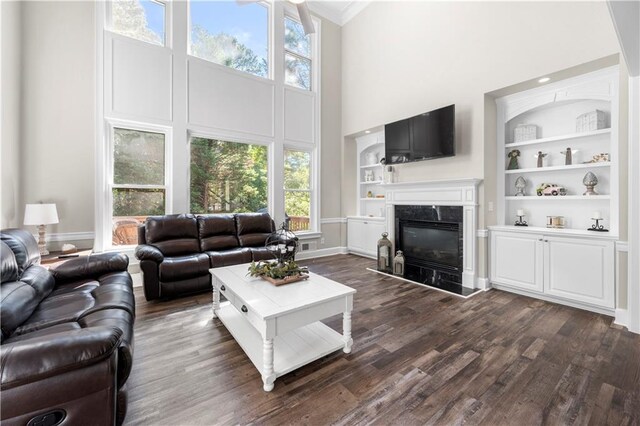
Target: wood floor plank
(419,357)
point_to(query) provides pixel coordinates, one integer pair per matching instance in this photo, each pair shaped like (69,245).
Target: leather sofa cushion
(217,232)
(24,247)
(254,228)
(229,257)
(254,223)
(261,253)
(173,235)
(182,287)
(184,267)
(9,266)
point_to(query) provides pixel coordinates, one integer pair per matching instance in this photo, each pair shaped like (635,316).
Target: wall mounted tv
(423,137)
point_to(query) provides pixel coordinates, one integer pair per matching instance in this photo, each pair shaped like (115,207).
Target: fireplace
(431,238)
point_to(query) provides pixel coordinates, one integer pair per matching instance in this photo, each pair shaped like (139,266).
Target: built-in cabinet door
(517,260)
(580,270)
(363,235)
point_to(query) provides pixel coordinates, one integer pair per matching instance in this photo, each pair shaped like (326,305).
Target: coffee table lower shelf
(291,350)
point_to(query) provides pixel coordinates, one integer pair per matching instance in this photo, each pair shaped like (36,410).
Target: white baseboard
(312,254)
(328,220)
(622,317)
(483,284)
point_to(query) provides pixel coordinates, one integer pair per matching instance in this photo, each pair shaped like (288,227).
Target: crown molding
(338,12)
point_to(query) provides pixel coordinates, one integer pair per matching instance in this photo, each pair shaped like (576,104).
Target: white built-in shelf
(556,197)
(373,182)
(370,166)
(371,199)
(557,168)
(558,138)
(555,231)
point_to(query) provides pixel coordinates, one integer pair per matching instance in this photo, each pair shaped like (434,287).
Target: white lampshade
(40,214)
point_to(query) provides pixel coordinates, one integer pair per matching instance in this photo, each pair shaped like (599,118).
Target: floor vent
(305,246)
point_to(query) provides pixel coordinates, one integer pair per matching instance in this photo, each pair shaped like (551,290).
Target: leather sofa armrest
(147,252)
(31,360)
(92,266)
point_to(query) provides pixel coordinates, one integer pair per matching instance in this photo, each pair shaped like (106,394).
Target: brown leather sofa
(176,251)
(67,336)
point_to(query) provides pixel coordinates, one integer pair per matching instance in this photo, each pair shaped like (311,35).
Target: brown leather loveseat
(67,336)
(176,251)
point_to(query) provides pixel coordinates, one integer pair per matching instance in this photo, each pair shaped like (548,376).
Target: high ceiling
(339,12)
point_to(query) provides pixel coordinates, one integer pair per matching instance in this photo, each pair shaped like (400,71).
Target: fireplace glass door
(431,243)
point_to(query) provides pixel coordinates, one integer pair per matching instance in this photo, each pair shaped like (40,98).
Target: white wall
(404,58)
(10,210)
(58,104)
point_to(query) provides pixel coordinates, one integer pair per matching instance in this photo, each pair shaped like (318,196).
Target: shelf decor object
(521,184)
(384,254)
(520,222)
(590,180)
(525,132)
(513,159)
(596,226)
(603,157)
(557,222)
(398,264)
(41,215)
(590,121)
(540,156)
(567,156)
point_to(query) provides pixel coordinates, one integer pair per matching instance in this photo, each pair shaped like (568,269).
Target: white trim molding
(446,192)
(312,254)
(482,233)
(622,246)
(330,220)
(621,317)
(483,284)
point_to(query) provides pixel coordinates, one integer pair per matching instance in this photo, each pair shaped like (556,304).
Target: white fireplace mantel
(449,192)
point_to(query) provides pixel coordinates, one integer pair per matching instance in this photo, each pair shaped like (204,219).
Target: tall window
(231,34)
(228,177)
(140,19)
(297,189)
(297,55)
(138,189)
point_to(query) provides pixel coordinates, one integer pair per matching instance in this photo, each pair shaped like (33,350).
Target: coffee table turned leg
(268,376)
(346,332)
(216,301)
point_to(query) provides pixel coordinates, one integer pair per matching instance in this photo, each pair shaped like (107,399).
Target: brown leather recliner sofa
(67,336)
(176,251)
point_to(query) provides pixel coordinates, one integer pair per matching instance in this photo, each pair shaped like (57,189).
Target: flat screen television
(423,137)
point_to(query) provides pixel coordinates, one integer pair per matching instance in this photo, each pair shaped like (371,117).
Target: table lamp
(41,215)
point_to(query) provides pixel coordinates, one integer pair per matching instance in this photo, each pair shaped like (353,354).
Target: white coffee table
(279,328)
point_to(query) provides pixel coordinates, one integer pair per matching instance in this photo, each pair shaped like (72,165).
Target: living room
(449,190)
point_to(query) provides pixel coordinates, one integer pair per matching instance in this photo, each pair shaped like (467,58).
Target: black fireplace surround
(432,242)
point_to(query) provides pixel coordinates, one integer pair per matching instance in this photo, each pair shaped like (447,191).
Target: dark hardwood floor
(420,357)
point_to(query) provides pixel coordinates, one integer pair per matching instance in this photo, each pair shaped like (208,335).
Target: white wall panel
(227,100)
(141,80)
(298,116)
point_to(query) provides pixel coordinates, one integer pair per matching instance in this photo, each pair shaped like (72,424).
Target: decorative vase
(590,181)
(520,186)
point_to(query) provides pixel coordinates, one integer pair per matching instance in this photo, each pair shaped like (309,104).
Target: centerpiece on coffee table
(279,273)
(283,245)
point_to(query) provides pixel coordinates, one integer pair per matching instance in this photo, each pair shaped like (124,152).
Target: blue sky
(247,22)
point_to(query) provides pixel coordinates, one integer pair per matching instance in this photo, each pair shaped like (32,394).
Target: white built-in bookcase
(372,143)
(554,109)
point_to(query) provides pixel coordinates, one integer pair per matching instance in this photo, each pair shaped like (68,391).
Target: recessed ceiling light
(544,80)
(367,131)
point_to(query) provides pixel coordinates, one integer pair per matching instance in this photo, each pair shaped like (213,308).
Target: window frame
(289,14)
(166,43)
(313,184)
(270,44)
(191,134)
(111,125)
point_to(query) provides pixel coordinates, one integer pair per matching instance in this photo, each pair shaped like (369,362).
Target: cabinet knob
(223,288)
(244,309)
